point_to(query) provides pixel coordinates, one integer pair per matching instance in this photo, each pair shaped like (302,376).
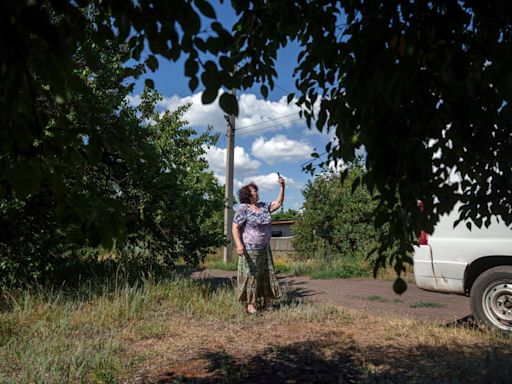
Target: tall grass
(323,266)
(60,335)
(282,263)
(96,332)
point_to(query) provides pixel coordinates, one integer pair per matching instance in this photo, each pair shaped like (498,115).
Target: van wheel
(491,298)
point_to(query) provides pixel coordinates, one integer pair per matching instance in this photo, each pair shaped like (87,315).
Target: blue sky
(269,136)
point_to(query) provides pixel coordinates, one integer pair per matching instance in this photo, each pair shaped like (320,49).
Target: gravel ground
(373,296)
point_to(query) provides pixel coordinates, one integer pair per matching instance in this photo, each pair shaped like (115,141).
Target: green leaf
(200,44)
(264,91)
(226,63)
(229,103)
(355,184)
(190,20)
(290,97)
(149,83)
(209,95)
(205,8)
(210,76)
(193,83)
(399,286)
(191,67)
(152,63)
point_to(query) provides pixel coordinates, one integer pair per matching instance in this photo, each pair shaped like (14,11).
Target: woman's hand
(281,181)
(240,250)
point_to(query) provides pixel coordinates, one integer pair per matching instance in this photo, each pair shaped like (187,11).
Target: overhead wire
(242,131)
(313,159)
(266,121)
(249,132)
(269,127)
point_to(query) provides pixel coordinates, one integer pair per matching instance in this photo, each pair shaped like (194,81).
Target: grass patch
(282,264)
(331,267)
(175,328)
(219,264)
(427,304)
(377,298)
(216,261)
(78,334)
(343,268)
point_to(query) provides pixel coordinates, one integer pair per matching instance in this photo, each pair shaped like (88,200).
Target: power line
(222,140)
(282,89)
(266,121)
(244,133)
(269,127)
(313,159)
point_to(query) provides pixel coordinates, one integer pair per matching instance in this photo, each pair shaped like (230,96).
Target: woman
(257,282)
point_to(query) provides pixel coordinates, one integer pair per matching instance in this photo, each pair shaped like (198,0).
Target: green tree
(425,86)
(179,202)
(289,214)
(140,176)
(336,221)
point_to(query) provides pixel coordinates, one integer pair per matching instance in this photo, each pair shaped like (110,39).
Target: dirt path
(373,296)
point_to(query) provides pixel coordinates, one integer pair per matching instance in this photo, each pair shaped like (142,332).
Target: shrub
(336,222)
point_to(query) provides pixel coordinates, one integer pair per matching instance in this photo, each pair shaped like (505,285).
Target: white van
(476,263)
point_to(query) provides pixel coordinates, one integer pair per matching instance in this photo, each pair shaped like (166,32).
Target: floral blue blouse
(255,226)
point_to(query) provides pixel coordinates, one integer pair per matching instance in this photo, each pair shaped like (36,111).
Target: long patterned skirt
(257,280)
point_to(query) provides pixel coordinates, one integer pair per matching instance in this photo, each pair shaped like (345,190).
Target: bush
(336,222)
(135,189)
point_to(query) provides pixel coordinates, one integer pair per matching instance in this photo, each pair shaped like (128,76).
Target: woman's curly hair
(244,193)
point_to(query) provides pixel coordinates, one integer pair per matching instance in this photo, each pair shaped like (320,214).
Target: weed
(215,261)
(77,334)
(427,304)
(215,264)
(380,299)
(118,331)
(329,266)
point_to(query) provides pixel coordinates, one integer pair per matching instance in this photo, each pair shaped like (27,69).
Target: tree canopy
(102,171)
(336,220)
(424,86)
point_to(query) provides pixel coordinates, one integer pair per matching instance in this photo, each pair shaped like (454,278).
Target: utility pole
(228,211)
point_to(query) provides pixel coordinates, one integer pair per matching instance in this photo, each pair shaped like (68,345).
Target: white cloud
(134,100)
(199,114)
(281,149)
(237,184)
(243,164)
(255,114)
(264,182)
(337,166)
(268,182)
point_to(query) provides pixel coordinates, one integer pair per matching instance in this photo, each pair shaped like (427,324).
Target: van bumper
(423,268)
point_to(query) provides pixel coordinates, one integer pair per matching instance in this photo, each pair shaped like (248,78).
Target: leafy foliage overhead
(129,177)
(425,86)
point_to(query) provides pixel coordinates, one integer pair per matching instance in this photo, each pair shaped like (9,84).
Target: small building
(282,228)
(281,241)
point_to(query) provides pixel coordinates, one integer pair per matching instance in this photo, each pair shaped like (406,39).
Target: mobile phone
(278,175)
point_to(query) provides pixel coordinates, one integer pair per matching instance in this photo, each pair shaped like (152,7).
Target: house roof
(279,222)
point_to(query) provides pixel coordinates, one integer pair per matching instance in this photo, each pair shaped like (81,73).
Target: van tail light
(423,239)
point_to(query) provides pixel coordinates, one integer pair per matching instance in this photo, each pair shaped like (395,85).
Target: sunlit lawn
(177,329)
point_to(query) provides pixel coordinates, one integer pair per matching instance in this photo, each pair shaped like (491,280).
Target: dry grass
(323,344)
(179,330)
(316,269)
